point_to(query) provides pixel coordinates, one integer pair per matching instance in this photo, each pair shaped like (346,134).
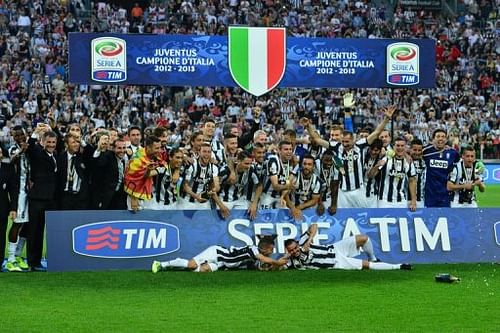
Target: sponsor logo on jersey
(438,164)
(403,64)
(125,239)
(109,59)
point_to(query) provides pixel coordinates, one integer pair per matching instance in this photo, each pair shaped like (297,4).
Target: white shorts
(185,204)
(420,204)
(387,204)
(208,256)
(352,199)
(268,202)
(345,251)
(22,208)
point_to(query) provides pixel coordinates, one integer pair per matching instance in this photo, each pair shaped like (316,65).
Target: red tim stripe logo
(103,237)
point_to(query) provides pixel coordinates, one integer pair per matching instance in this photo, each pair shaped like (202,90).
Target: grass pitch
(288,301)
(490,197)
(291,301)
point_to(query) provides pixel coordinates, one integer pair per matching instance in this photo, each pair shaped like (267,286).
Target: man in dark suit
(108,184)
(72,176)
(42,189)
(9,190)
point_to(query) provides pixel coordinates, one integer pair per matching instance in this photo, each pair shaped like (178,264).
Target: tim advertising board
(125,239)
(103,240)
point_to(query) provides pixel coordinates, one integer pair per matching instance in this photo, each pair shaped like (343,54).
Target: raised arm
(313,134)
(388,113)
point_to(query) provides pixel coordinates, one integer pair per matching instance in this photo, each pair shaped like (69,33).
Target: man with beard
(416,148)
(201,178)
(233,194)
(439,161)
(303,254)
(307,188)
(278,178)
(463,179)
(395,173)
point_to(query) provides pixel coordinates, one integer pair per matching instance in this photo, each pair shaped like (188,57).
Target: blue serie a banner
(256,59)
(103,240)
(492,173)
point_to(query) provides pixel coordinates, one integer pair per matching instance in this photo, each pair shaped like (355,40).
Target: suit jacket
(9,188)
(106,178)
(43,172)
(81,168)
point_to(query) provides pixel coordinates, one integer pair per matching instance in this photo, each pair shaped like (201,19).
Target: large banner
(257,59)
(492,173)
(102,240)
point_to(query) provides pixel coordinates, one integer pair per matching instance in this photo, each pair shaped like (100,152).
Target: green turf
(490,197)
(292,301)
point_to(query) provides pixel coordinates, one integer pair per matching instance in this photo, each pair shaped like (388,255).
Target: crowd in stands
(153,147)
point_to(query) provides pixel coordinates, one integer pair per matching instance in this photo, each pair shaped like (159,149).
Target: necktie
(121,172)
(71,173)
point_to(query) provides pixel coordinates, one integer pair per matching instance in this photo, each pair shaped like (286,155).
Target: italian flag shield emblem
(257,58)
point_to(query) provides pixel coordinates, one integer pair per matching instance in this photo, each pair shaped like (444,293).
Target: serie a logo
(109,59)
(403,64)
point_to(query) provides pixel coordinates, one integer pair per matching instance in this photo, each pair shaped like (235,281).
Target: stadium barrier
(121,240)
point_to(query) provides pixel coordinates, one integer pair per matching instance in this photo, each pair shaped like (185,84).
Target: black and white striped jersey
(237,257)
(371,184)
(256,178)
(352,178)
(316,151)
(199,177)
(304,188)
(167,190)
(325,176)
(394,177)
(232,192)
(420,171)
(317,257)
(461,175)
(219,152)
(275,167)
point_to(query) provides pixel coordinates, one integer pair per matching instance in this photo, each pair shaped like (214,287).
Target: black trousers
(3,237)
(70,201)
(36,229)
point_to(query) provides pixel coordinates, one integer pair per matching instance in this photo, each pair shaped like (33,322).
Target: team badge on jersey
(257,58)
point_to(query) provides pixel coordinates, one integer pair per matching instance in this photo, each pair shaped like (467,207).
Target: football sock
(20,244)
(12,252)
(176,263)
(368,249)
(382,266)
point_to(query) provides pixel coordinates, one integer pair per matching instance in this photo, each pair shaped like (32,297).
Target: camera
(465,197)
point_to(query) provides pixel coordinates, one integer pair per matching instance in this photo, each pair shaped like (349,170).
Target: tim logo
(125,239)
(403,64)
(109,59)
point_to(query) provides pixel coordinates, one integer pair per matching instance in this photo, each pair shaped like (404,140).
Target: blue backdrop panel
(101,240)
(178,60)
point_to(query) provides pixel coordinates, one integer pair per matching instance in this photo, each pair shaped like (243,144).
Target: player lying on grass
(339,255)
(219,257)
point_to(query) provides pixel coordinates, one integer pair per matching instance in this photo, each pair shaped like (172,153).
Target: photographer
(461,182)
